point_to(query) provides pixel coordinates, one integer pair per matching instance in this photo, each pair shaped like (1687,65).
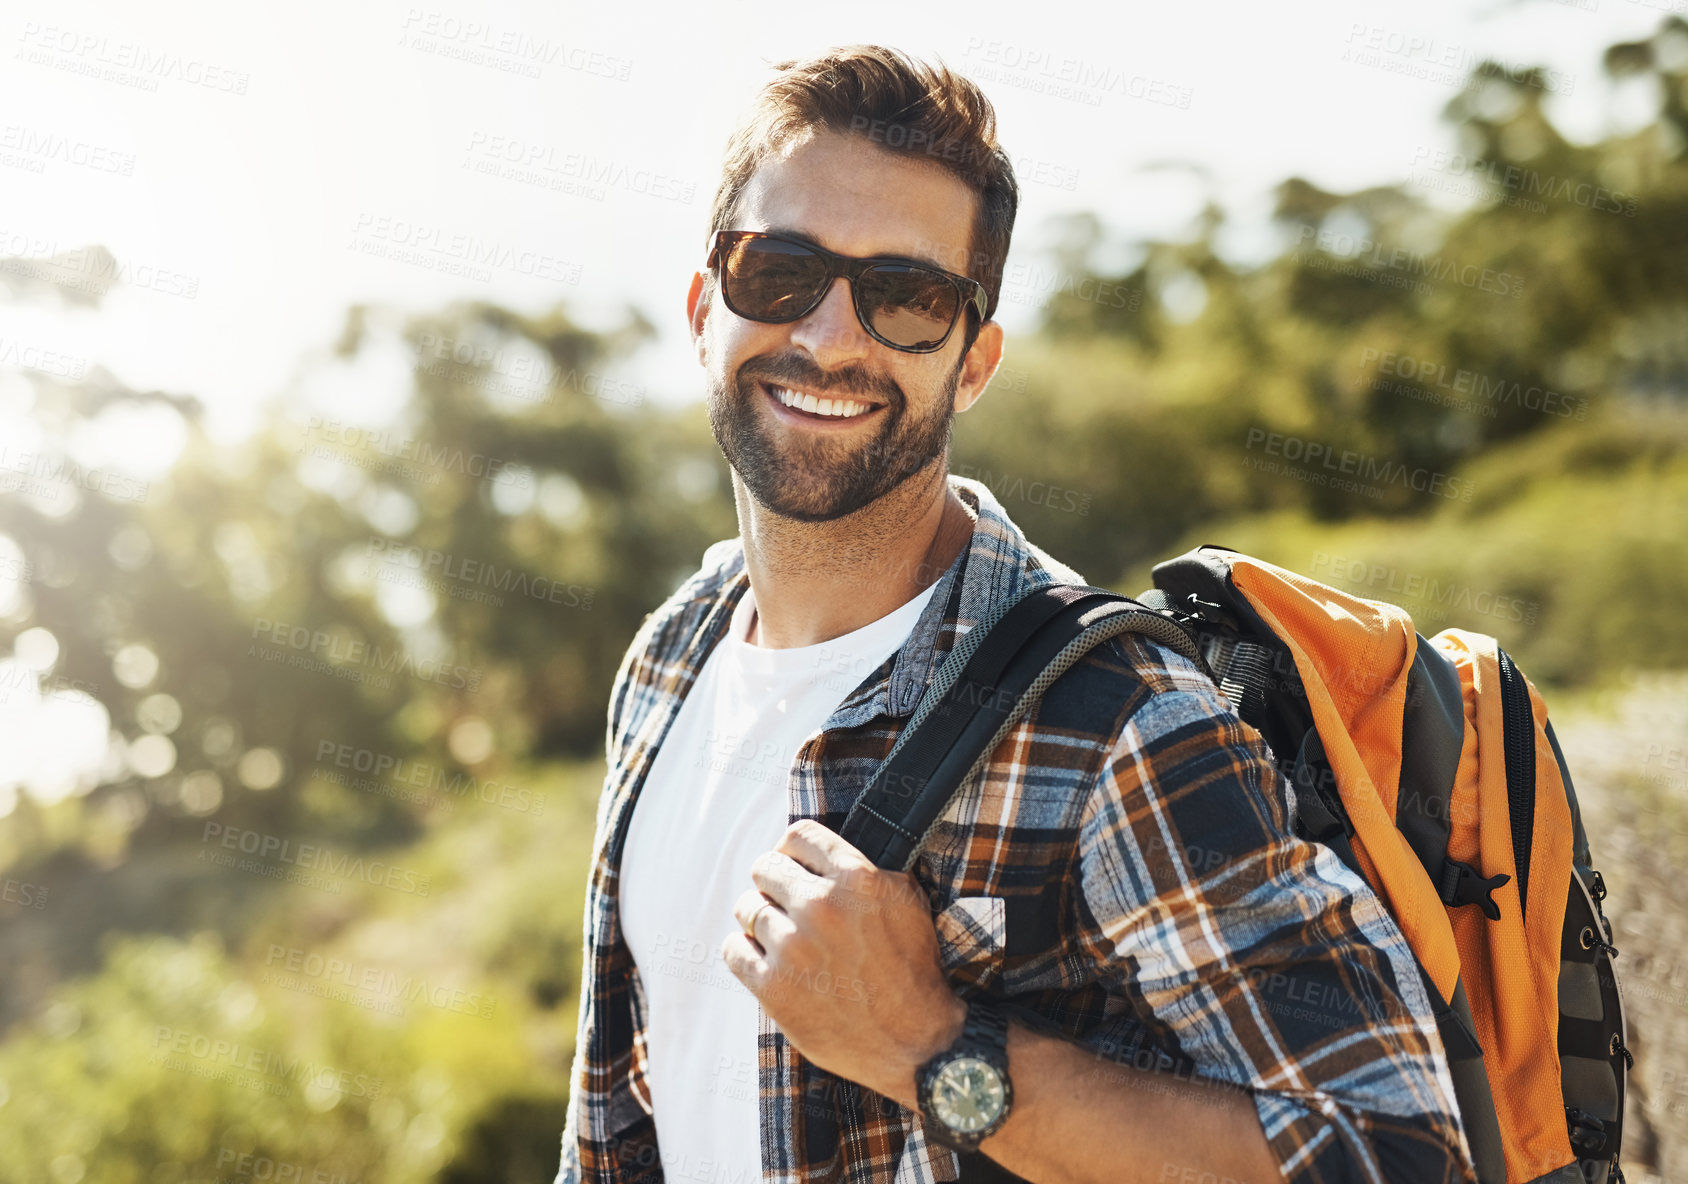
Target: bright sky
(258,170)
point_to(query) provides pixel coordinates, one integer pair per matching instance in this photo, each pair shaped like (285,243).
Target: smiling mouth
(838,410)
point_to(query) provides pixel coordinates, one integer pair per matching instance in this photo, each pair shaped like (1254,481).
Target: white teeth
(841,408)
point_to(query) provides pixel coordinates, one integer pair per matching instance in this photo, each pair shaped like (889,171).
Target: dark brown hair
(909,108)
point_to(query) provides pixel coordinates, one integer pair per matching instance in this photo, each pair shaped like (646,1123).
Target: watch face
(967,1095)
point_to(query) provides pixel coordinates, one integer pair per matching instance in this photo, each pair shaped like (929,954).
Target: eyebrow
(894,256)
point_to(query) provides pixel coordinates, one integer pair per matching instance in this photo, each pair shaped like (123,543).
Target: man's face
(849,196)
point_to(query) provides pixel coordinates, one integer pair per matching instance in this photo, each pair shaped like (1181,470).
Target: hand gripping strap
(987,682)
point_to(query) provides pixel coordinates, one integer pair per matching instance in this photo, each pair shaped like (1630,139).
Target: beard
(820,476)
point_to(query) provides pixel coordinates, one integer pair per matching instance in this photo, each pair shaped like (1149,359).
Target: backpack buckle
(1588,1133)
(1464,884)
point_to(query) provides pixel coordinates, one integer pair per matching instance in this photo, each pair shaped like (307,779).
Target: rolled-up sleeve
(1270,963)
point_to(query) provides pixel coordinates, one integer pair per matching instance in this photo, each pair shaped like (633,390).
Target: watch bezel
(948,1070)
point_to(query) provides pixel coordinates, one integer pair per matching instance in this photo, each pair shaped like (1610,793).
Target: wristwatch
(964,1091)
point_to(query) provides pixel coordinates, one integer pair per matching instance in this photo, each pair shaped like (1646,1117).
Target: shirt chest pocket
(973,939)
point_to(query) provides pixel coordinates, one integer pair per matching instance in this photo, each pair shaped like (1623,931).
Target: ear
(697,315)
(977,366)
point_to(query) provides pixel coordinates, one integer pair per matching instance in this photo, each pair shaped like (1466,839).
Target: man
(1112,961)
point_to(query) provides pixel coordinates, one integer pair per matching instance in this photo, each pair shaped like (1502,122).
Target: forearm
(1081,1119)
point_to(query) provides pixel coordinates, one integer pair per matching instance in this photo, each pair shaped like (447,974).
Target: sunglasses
(776,280)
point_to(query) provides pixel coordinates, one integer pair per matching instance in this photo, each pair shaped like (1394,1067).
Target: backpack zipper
(1520,727)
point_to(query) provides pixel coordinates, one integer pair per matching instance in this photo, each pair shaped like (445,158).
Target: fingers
(770,922)
(812,869)
(744,958)
(822,851)
(783,880)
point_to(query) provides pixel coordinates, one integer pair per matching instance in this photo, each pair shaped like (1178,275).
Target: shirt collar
(999,564)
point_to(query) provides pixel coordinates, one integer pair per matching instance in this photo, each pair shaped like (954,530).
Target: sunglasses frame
(971,292)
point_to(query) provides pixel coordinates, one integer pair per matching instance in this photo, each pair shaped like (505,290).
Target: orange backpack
(1431,767)
(1428,766)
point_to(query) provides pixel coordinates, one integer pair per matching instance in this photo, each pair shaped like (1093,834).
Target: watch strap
(984,1034)
(986,1029)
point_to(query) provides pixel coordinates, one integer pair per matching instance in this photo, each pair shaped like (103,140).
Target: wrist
(965,1092)
(948,1021)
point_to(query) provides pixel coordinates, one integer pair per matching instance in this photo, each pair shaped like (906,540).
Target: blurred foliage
(415,1037)
(393,647)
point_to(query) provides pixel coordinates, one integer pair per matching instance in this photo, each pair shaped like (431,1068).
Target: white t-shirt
(717,797)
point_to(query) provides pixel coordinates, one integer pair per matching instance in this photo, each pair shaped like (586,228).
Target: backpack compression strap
(994,673)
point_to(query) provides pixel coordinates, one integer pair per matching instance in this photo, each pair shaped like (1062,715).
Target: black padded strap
(945,741)
(888,819)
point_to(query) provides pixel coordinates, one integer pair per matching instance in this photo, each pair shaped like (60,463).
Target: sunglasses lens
(909,307)
(769,280)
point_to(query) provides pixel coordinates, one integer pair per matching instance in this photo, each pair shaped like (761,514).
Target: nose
(831,333)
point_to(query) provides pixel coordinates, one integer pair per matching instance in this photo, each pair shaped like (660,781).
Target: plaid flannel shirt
(1122,872)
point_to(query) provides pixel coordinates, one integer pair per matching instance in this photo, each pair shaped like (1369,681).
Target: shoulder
(666,629)
(1156,717)
(1130,708)
(1133,679)
(1175,741)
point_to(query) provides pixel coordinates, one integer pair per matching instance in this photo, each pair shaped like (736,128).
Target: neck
(815,581)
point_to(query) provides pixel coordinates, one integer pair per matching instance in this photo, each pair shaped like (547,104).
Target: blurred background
(349,428)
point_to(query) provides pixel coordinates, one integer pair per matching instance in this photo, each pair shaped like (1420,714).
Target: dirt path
(1628,755)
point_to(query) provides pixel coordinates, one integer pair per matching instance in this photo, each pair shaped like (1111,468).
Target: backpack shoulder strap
(986,683)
